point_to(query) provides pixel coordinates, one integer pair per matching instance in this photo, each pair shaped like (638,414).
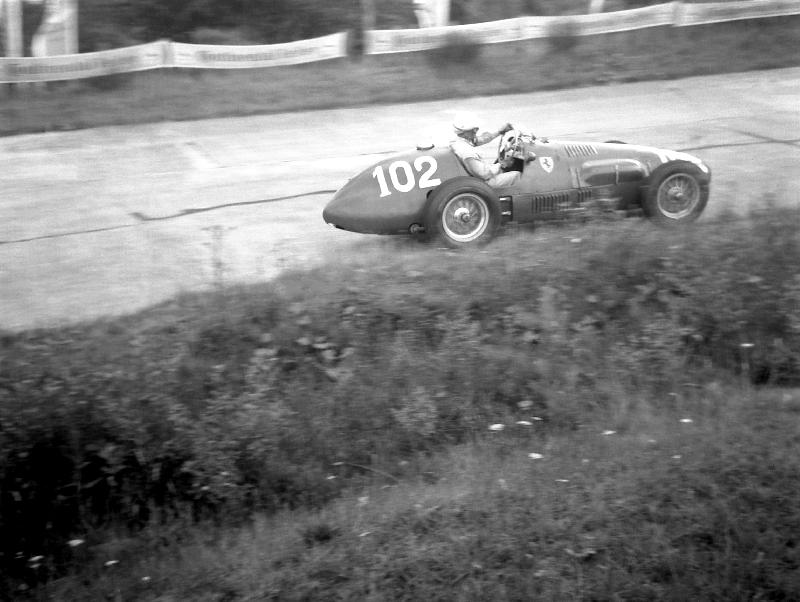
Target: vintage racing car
(429,191)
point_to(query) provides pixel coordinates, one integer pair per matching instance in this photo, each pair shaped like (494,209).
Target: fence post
(12,18)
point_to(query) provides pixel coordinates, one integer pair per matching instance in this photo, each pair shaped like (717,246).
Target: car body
(429,190)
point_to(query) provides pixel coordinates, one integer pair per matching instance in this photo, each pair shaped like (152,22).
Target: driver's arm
(487,137)
(481,169)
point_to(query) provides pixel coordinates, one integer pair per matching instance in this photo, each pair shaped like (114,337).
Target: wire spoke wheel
(465,217)
(678,196)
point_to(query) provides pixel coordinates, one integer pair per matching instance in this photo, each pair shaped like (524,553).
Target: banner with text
(719,12)
(200,56)
(206,56)
(522,28)
(525,28)
(88,64)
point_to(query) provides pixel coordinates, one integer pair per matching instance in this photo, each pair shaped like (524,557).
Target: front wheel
(463,212)
(677,194)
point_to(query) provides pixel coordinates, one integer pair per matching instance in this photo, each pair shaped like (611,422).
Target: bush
(221,37)
(563,36)
(459,48)
(215,407)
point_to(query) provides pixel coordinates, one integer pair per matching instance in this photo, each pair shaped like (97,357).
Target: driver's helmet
(464,122)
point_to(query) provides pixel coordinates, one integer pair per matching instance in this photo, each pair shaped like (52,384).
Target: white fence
(166,54)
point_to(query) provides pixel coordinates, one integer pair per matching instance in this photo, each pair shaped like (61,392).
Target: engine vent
(580,150)
(551,203)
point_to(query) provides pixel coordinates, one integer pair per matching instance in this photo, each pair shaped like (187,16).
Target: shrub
(459,48)
(221,37)
(277,398)
(563,36)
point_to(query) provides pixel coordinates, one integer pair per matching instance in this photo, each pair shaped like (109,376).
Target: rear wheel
(463,212)
(677,194)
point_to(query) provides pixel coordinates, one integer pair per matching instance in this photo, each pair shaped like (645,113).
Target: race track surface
(111,220)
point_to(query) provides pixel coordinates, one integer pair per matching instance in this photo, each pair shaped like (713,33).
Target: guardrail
(167,54)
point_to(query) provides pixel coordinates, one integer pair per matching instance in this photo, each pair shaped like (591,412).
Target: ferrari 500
(429,191)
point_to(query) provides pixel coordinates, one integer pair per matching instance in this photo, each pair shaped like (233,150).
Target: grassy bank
(681,499)
(561,62)
(304,394)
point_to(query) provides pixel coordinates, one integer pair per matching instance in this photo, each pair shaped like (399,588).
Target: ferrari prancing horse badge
(546,163)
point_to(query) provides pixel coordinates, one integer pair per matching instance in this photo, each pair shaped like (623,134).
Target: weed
(458,48)
(198,412)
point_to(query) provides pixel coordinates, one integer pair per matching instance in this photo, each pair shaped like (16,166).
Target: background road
(110,220)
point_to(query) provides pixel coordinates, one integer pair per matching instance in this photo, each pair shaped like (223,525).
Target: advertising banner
(88,64)
(55,37)
(718,12)
(526,28)
(385,41)
(523,28)
(244,57)
(626,20)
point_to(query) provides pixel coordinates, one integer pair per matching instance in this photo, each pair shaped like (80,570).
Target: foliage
(212,408)
(459,48)
(563,36)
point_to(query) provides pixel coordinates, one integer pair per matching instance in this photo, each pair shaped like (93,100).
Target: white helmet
(464,122)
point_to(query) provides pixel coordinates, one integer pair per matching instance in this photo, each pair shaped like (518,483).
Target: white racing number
(403,178)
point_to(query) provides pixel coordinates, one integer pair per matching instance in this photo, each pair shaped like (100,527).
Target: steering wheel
(509,144)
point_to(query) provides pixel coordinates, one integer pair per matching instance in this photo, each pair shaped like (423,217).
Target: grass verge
(656,53)
(136,433)
(690,503)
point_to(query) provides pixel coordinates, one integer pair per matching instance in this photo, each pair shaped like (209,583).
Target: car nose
(348,209)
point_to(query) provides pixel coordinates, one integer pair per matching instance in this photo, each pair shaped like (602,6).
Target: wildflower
(146,579)
(34,559)
(747,345)
(365,533)
(536,418)
(562,480)
(576,240)
(496,427)
(330,477)
(687,420)
(652,441)
(363,500)
(503,484)
(524,423)
(110,563)
(74,543)
(524,404)
(606,433)
(677,457)
(535,456)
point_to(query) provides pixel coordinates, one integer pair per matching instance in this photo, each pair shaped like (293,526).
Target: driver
(467,138)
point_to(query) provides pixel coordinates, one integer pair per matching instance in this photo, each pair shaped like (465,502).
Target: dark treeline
(113,23)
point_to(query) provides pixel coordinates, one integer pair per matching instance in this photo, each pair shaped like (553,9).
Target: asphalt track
(110,220)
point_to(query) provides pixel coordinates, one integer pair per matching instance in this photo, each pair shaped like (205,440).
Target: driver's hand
(506,128)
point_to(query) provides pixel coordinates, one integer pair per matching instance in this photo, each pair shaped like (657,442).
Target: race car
(429,192)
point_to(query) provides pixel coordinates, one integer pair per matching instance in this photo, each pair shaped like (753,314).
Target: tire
(676,195)
(463,212)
